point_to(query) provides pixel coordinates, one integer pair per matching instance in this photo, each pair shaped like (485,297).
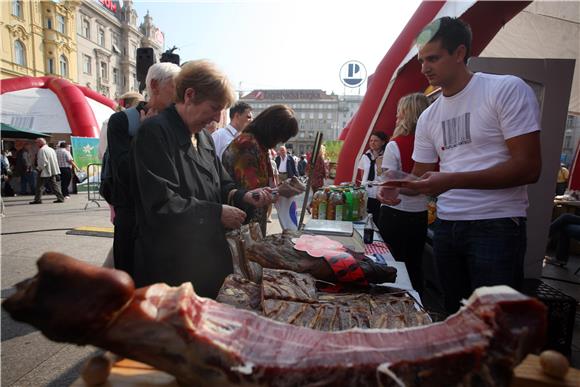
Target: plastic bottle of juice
(355,204)
(338,199)
(347,204)
(316,203)
(322,204)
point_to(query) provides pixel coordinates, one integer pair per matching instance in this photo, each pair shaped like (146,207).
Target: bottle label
(322,211)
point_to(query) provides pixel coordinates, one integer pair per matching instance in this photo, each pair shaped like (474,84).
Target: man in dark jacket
(185,201)
(161,90)
(286,165)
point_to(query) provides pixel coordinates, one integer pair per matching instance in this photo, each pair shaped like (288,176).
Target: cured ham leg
(203,342)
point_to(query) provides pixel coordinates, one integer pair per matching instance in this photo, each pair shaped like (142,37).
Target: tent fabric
(395,78)
(543,30)
(53,105)
(9,131)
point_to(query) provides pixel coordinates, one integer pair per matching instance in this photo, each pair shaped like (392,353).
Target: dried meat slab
(204,343)
(241,293)
(288,285)
(277,252)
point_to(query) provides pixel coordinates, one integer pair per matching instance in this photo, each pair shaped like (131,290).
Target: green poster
(85,151)
(333,150)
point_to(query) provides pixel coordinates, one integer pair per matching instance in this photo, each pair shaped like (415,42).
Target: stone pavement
(28,358)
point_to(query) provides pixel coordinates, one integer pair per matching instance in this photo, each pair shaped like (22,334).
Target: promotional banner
(85,151)
(333,150)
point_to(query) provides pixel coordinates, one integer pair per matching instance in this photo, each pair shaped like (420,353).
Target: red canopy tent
(399,73)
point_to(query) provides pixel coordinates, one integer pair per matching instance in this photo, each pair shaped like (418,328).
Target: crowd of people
(178,183)
(37,168)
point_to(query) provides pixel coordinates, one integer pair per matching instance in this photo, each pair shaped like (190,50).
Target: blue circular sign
(353,73)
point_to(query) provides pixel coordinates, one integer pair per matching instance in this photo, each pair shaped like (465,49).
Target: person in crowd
(370,165)
(6,172)
(240,117)
(160,86)
(185,200)
(484,130)
(562,230)
(48,171)
(66,165)
(23,168)
(302,165)
(285,163)
(562,181)
(320,171)
(404,226)
(247,158)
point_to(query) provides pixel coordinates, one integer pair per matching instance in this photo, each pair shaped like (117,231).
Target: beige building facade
(108,36)
(38,38)
(315,111)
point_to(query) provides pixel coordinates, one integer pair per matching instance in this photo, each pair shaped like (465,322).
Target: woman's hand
(232,217)
(259,197)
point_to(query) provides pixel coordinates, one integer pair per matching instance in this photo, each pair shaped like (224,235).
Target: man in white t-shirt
(484,131)
(240,117)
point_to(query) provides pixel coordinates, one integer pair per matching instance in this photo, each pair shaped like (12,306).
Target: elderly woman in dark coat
(185,200)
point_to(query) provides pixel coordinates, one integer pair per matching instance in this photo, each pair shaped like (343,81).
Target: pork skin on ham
(202,342)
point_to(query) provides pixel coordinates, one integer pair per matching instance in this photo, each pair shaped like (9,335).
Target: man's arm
(523,167)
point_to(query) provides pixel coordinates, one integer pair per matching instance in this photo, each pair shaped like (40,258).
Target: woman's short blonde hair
(409,108)
(209,83)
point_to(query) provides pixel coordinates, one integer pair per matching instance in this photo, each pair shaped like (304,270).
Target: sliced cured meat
(240,292)
(288,285)
(204,343)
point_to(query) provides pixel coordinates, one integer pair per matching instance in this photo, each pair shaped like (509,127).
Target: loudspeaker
(145,58)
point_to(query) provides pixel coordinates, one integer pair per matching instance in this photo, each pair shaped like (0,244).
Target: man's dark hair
(239,107)
(63,144)
(275,125)
(451,31)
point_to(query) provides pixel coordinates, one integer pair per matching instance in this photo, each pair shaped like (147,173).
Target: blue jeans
(470,254)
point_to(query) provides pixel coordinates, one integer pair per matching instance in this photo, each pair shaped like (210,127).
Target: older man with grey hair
(121,129)
(48,170)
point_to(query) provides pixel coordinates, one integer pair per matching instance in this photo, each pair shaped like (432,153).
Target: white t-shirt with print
(468,132)
(392,161)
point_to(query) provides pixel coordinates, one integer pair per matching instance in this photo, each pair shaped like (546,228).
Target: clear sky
(276,44)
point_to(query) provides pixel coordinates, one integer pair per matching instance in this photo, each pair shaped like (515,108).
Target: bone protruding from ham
(203,342)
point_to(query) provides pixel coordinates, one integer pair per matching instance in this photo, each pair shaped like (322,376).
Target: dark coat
(290,165)
(179,195)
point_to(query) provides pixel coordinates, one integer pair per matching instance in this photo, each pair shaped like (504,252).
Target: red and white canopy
(399,72)
(53,105)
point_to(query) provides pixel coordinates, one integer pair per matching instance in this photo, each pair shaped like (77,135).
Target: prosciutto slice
(202,342)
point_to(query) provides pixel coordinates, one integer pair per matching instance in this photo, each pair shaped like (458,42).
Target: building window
(49,23)
(63,66)
(86,64)
(17,8)
(50,65)
(329,116)
(115,76)
(86,29)
(115,43)
(104,71)
(135,82)
(302,115)
(133,51)
(19,53)
(60,24)
(101,37)
(311,115)
(319,115)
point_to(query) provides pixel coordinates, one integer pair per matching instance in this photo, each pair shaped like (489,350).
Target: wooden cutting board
(129,373)
(529,374)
